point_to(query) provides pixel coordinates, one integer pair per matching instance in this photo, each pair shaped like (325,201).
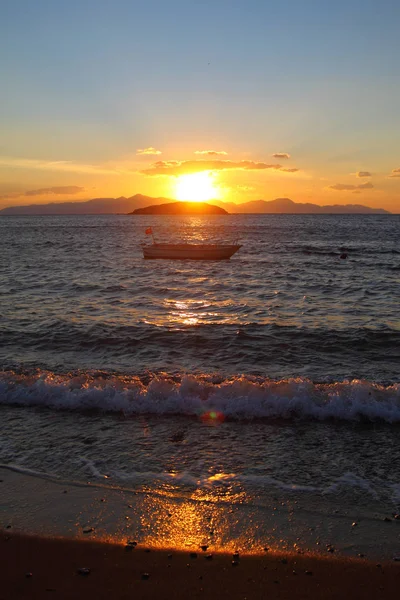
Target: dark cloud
(60,189)
(364,174)
(212,152)
(174,167)
(343,187)
(281,155)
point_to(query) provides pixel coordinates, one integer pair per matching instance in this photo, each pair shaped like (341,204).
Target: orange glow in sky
(196,187)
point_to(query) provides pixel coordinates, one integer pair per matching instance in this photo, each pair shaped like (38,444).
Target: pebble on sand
(145,576)
(83,571)
(88,529)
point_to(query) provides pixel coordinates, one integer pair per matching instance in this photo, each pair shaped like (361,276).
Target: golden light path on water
(192,312)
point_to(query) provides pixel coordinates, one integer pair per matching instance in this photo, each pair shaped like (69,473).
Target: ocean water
(271,378)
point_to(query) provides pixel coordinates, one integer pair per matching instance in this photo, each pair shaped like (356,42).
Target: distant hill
(181,208)
(97,206)
(123,205)
(287,206)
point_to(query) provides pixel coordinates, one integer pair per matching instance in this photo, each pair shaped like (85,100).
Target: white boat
(190,251)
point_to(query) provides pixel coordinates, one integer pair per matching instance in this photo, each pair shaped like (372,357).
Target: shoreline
(312,525)
(36,567)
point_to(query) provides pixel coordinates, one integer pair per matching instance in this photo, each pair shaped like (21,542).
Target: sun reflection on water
(194,521)
(192,312)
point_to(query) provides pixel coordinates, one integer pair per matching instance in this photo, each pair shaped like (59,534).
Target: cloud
(290,170)
(149,150)
(343,187)
(174,167)
(212,152)
(395,173)
(59,165)
(281,155)
(61,189)
(363,174)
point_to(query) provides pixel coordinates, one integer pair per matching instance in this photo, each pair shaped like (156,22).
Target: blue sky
(91,82)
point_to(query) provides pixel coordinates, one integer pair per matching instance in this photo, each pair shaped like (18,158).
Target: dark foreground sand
(41,568)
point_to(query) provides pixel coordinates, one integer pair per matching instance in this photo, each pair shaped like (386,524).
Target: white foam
(350,480)
(236,398)
(347,481)
(92,467)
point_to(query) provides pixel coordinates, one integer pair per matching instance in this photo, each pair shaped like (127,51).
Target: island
(180,208)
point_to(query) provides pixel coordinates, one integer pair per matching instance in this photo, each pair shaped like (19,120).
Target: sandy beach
(35,567)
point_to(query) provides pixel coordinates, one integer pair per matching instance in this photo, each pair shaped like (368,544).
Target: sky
(258,99)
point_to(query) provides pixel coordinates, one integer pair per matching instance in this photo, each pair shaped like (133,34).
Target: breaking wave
(204,396)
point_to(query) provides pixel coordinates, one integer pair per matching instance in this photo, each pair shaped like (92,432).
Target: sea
(251,403)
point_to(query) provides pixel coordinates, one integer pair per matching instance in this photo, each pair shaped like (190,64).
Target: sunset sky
(265,99)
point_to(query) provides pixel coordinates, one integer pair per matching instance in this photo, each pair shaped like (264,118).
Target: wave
(208,397)
(58,334)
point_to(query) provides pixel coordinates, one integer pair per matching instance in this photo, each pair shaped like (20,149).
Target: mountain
(123,205)
(287,206)
(97,206)
(181,208)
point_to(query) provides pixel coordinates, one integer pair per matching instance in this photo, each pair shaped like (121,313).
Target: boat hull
(190,251)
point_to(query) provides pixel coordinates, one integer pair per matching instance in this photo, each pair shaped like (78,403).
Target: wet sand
(36,567)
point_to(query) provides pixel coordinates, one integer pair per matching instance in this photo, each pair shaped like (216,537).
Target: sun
(196,187)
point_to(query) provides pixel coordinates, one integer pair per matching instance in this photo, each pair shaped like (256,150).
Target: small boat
(190,251)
